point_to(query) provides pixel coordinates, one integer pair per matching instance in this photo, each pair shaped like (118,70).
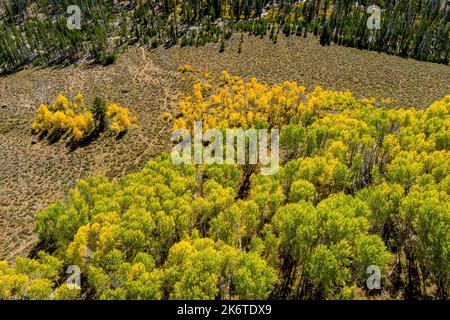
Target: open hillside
(35,173)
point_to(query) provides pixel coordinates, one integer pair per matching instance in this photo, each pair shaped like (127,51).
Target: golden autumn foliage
(185,68)
(228,101)
(74,119)
(361,184)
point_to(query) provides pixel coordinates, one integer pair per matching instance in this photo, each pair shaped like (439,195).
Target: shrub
(64,117)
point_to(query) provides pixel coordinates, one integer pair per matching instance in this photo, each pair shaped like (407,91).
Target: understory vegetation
(361,183)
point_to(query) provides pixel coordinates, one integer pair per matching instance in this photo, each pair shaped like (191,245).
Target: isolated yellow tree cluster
(120,119)
(76,121)
(65,117)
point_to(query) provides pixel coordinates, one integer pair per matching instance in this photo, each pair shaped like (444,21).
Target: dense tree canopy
(361,184)
(35,31)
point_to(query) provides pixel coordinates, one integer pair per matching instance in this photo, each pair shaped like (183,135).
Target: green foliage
(108,59)
(30,279)
(364,186)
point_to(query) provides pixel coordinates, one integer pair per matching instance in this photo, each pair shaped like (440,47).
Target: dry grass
(34,175)
(365,73)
